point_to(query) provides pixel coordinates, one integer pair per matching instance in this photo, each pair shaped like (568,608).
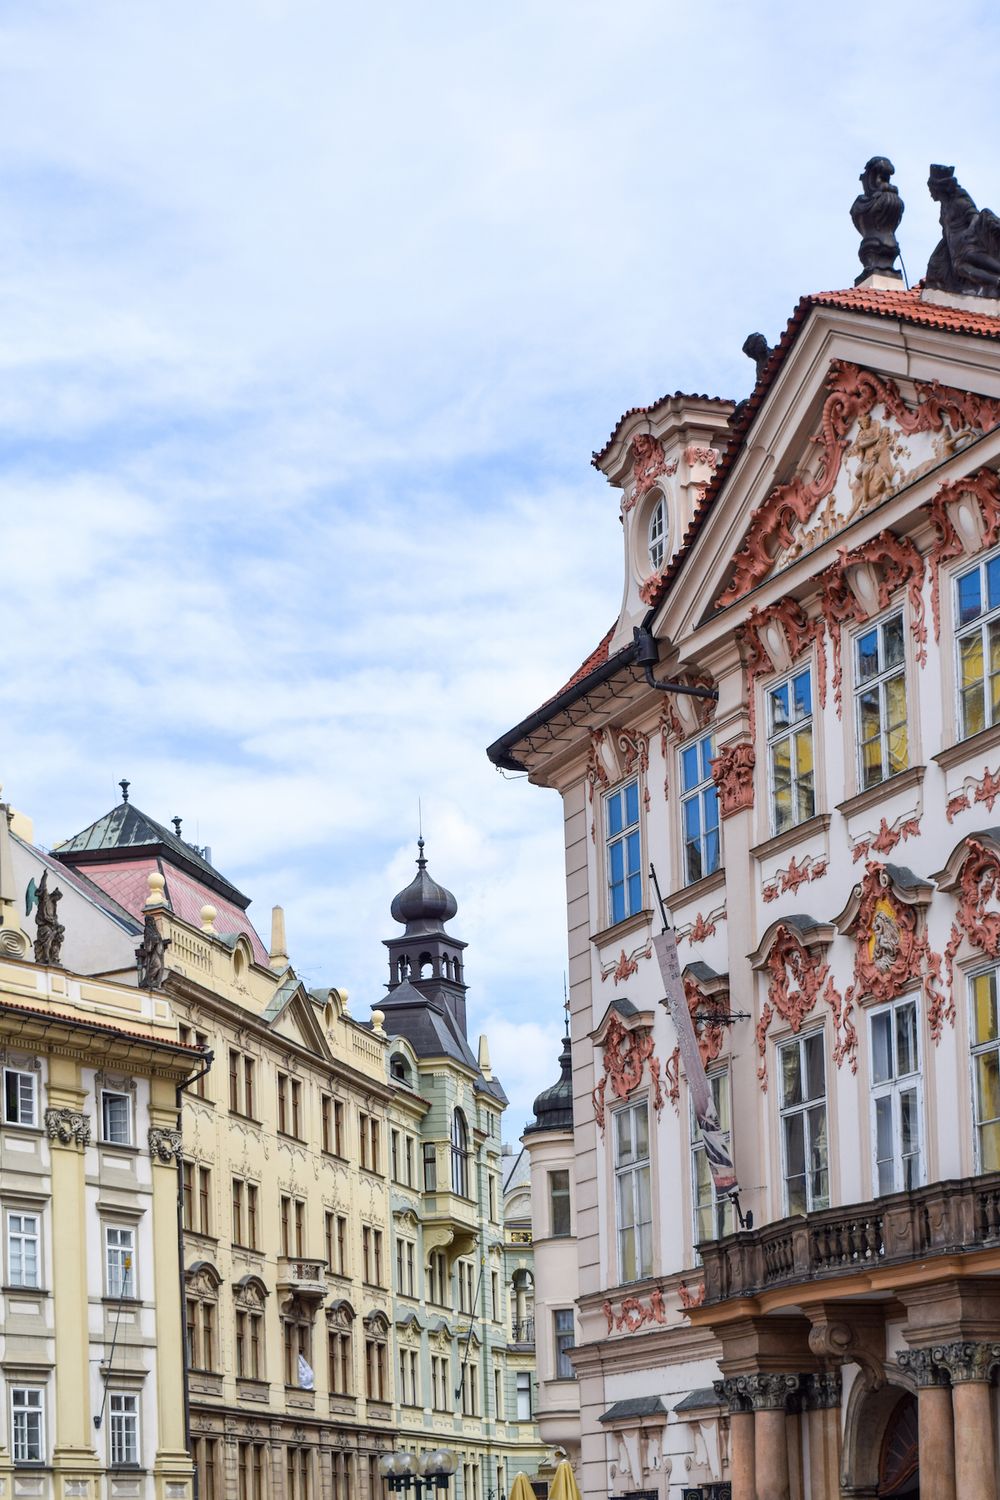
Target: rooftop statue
(967,257)
(149,955)
(49,931)
(876,213)
(756,347)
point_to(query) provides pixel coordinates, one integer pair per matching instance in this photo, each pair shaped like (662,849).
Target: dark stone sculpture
(149,955)
(876,213)
(756,347)
(49,931)
(967,257)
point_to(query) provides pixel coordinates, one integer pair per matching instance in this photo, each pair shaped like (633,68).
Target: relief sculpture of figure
(49,931)
(885,940)
(149,955)
(967,257)
(876,450)
(876,213)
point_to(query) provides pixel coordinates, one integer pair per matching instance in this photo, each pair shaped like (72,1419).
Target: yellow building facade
(91,1343)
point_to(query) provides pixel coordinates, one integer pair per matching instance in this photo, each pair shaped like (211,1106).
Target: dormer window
(657,534)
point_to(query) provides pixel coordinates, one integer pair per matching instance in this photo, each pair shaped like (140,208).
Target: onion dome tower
(426,964)
(553,1108)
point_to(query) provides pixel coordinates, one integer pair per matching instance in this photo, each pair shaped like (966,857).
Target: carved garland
(885,840)
(896,562)
(796,874)
(797,980)
(987,790)
(648,463)
(983,490)
(853,393)
(799,633)
(732,772)
(890,954)
(978,884)
(626,964)
(625,1056)
(711,1035)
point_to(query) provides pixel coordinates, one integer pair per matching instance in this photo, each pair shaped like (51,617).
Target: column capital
(821,1392)
(67,1127)
(164,1145)
(921,1364)
(771,1392)
(967,1361)
(733,1391)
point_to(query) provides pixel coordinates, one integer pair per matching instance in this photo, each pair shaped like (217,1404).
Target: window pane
(632,802)
(632,844)
(795,1179)
(988,1086)
(881,1047)
(892,642)
(867,652)
(623,1137)
(984,1007)
(779,707)
(909,1130)
(802,686)
(707,753)
(689,767)
(906,1039)
(641,1132)
(819,1186)
(791,1081)
(993,581)
(712,849)
(884,1144)
(969,596)
(815,1071)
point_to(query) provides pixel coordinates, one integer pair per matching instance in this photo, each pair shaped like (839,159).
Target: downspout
(647,655)
(178,1092)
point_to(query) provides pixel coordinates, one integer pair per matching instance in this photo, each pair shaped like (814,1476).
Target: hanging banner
(716,1146)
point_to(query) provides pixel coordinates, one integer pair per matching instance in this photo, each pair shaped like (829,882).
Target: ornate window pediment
(706,993)
(972,875)
(625,1036)
(202,1279)
(376,1323)
(250,1293)
(340,1314)
(792,958)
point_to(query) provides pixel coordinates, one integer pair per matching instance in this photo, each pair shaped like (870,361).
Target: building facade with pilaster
(803,737)
(91,1331)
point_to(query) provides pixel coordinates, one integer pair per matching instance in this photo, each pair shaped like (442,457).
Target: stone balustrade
(943,1218)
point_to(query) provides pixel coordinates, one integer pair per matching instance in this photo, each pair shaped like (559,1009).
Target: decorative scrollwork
(67,1127)
(164,1144)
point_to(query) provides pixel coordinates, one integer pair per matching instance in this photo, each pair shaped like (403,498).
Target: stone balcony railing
(943,1218)
(304,1278)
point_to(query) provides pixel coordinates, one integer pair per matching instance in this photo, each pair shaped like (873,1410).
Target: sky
(311,315)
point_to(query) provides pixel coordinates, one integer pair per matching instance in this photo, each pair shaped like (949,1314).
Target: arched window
(425,965)
(459,1155)
(657,534)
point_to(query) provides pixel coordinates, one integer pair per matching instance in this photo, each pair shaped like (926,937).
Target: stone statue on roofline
(49,931)
(876,213)
(149,955)
(967,257)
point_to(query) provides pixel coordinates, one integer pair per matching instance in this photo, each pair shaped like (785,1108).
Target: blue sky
(310,318)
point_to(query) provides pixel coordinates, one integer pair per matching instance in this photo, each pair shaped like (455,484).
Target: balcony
(522,1332)
(302,1278)
(944,1218)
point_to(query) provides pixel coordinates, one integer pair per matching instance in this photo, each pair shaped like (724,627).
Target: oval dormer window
(657,534)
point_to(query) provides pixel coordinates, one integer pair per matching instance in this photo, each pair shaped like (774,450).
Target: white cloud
(311,317)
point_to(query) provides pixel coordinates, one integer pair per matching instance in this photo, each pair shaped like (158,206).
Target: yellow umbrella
(564,1485)
(520,1489)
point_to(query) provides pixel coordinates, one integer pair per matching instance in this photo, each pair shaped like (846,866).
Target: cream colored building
(91,1341)
(821,568)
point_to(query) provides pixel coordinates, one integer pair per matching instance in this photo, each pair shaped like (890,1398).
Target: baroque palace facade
(337,1180)
(821,566)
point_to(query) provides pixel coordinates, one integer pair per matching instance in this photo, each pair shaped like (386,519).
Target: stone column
(68,1132)
(769,1395)
(741,1451)
(934,1418)
(821,1401)
(970,1366)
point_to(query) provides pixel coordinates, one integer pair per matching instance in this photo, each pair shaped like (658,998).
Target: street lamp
(404,1471)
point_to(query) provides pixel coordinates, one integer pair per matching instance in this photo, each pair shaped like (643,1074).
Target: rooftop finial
(124,786)
(876,213)
(566,1006)
(177,826)
(421,861)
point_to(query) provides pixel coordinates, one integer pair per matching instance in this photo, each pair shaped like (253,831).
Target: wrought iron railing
(522,1331)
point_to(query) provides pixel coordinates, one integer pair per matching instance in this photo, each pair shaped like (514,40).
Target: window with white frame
(20,1097)
(713,1217)
(119,1251)
(699,810)
(880,702)
(565,1338)
(896,1096)
(523,1379)
(623,852)
(23,1264)
(790,751)
(977,641)
(633,1197)
(27,1424)
(804,1143)
(123,1414)
(985,1033)
(656,534)
(116,1118)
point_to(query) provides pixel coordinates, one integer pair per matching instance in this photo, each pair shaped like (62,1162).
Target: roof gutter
(500,752)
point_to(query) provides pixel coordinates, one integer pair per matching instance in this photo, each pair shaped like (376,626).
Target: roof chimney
(278,955)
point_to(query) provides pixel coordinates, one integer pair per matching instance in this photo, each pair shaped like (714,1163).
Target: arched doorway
(898,1469)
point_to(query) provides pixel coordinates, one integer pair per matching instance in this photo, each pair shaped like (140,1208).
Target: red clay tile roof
(126,882)
(596,659)
(643,410)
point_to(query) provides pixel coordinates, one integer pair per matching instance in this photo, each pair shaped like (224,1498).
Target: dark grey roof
(554,1106)
(425,1018)
(802,921)
(124,828)
(491,1086)
(700,972)
(905,879)
(636,1406)
(704,1395)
